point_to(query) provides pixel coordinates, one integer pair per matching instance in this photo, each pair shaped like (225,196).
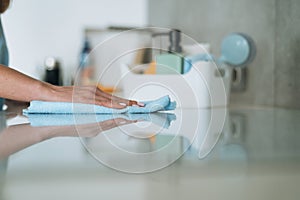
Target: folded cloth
(44,107)
(37,120)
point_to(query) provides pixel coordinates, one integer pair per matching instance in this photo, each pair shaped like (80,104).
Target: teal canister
(171,62)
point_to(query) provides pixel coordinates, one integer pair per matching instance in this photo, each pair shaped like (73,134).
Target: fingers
(118,99)
(111,104)
(115,98)
(93,95)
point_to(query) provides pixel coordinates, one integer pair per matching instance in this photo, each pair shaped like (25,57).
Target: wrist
(46,92)
(43,91)
(56,93)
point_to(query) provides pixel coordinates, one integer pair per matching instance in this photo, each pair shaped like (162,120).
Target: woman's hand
(17,86)
(89,95)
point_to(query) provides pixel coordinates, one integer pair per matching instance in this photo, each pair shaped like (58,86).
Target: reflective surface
(252,154)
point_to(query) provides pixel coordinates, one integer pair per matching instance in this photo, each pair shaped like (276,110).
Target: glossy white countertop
(202,154)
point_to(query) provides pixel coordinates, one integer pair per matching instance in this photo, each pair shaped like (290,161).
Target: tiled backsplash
(274,26)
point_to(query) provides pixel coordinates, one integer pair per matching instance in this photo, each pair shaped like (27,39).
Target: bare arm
(17,86)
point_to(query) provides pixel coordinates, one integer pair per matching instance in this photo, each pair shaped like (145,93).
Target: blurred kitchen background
(37,29)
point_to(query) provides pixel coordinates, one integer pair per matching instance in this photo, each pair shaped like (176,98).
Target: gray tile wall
(274,26)
(287,53)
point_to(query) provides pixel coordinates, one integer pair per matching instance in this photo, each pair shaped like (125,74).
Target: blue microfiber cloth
(44,107)
(37,120)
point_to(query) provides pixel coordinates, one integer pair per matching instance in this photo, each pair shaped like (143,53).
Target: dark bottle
(52,74)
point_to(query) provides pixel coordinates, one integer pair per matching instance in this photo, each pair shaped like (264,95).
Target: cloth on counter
(44,107)
(37,120)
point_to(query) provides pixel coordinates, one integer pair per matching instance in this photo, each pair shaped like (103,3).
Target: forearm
(17,86)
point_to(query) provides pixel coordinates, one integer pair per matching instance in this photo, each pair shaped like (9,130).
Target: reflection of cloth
(161,104)
(160,119)
(3,54)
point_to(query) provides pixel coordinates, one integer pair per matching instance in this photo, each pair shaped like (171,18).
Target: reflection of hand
(18,137)
(92,130)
